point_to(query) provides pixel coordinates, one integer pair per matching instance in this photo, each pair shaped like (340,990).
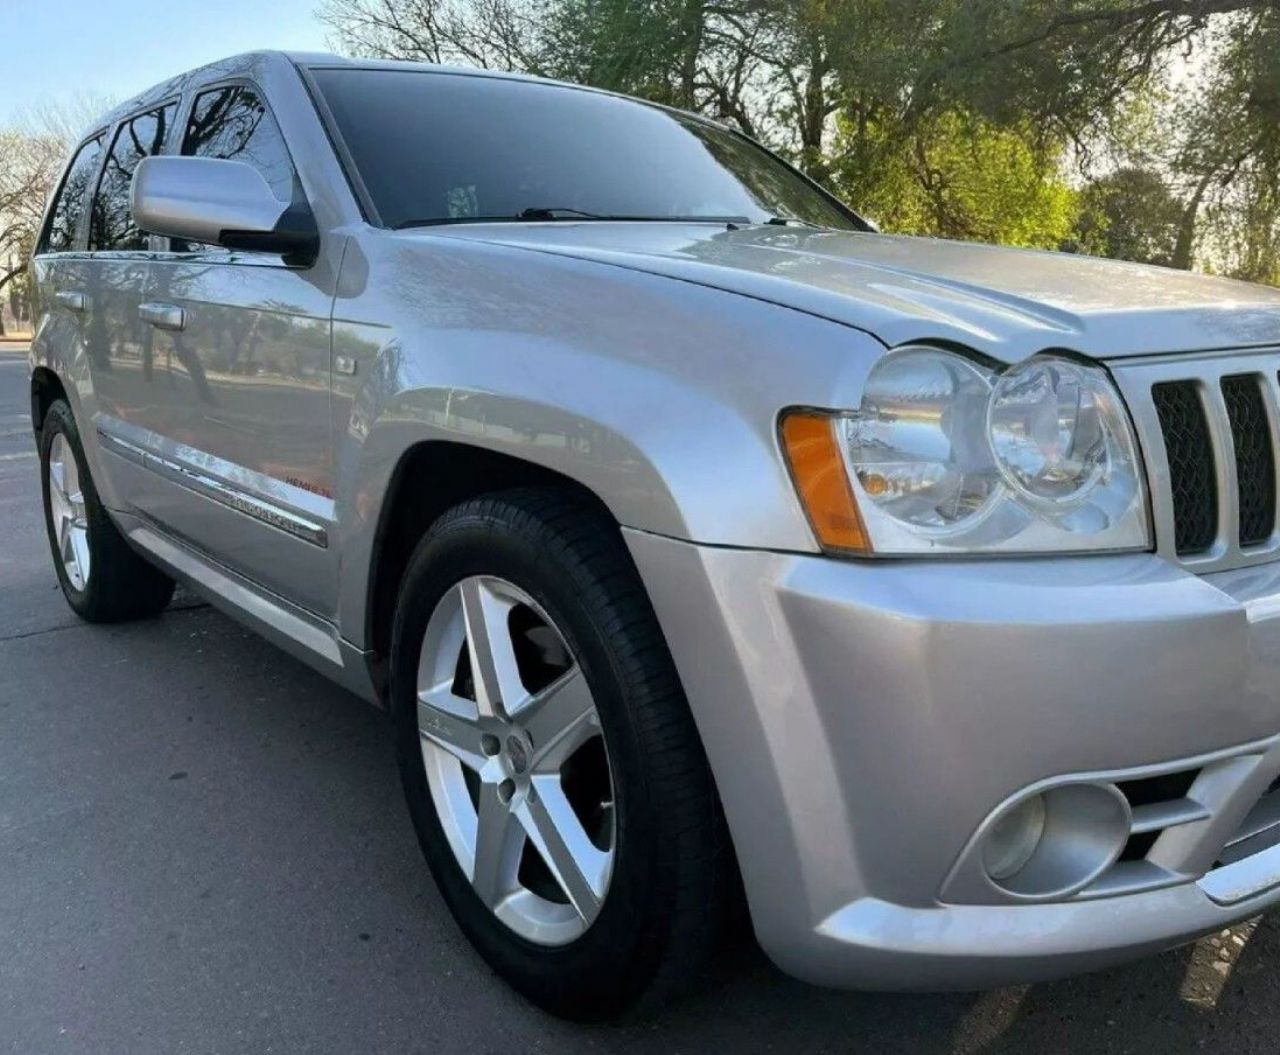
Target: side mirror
(225,203)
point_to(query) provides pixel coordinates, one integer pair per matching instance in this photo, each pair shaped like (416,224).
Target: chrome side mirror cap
(225,203)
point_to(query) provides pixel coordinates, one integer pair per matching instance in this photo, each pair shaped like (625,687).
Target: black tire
(658,922)
(120,585)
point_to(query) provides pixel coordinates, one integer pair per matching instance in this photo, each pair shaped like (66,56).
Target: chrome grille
(1208,432)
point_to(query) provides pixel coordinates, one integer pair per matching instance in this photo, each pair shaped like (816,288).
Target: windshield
(450,148)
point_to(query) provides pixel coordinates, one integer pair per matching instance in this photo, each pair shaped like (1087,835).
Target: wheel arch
(429,478)
(46,388)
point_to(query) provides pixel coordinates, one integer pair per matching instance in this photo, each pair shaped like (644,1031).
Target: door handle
(163,316)
(70,300)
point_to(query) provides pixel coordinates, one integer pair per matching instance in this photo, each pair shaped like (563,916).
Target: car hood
(1008,303)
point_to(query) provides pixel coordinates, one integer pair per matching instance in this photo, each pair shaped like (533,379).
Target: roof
(250,63)
(245,61)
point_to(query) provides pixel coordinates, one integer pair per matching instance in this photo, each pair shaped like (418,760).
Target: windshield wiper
(445,221)
(787,221)
(556,213)
(547,215)
(559,213)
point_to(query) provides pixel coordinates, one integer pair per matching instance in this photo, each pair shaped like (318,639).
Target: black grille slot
(1164,788)
(1255,465)
(1191,469)
(1148,791)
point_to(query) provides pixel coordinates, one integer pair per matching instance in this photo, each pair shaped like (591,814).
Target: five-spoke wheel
(549,759)
(66,504)
(101,576)
(515,760)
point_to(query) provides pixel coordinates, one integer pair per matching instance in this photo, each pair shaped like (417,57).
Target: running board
(301,634)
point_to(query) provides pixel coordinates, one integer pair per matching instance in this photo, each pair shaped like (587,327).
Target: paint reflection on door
(249,369)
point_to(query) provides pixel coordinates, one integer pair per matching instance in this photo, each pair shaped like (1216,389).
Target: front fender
(659,397)
(651,473)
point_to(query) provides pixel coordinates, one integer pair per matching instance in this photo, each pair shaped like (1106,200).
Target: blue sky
(57,50)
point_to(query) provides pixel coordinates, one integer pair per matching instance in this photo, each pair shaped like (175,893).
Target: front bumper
(863,720)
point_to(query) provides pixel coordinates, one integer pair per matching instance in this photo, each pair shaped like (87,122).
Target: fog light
(1014,838)
(1054,843)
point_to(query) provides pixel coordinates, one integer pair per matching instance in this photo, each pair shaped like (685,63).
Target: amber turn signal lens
(813,453)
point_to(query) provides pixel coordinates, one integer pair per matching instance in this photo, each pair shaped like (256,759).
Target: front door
(245,346)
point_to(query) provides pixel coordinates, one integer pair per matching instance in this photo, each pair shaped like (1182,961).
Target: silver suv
(696,538)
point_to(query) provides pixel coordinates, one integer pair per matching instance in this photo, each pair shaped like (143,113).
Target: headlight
(948,455)
(917,444)
(1049,424)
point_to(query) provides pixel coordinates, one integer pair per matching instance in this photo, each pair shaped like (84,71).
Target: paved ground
(203,849)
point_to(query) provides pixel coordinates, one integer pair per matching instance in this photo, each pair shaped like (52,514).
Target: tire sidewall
(456,550)
(59,420)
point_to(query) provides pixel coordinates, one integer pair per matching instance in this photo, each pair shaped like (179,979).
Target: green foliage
(1129,214)
(639,47)
(958,176)
(1245,231)
(963,118)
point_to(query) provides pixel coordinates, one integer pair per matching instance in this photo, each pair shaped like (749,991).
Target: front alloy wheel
(550,763)
(515,760)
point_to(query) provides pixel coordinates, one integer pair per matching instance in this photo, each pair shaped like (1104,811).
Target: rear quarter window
(69,206)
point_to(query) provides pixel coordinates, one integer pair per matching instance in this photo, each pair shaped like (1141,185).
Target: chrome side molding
(219,491)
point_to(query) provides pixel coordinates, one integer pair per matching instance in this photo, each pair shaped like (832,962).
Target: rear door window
(64,218)
(111,225)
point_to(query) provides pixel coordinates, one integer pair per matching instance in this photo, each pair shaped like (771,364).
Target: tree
(27,172)
(491,34)
(933,115)
(32,154)
(958,176)
(1129,214)
(1213,66)
(765,65)
(1242,232)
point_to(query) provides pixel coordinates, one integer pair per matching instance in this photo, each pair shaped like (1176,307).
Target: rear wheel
(549,758)
(102,578)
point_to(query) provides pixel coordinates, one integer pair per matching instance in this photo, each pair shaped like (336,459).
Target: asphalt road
(203,849)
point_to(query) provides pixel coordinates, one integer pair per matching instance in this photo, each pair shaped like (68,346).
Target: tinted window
(111,225)
(64,220)
(439,147)
(233,124)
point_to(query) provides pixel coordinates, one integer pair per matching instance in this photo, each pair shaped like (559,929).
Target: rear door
(60,266)
(234,393)
(114,279)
